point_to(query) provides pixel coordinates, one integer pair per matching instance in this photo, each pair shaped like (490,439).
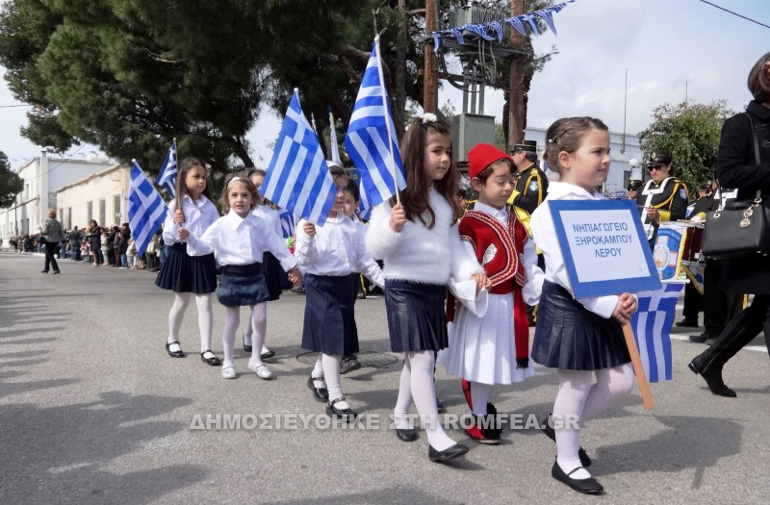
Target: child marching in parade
(419,241)
(240,240)
(581,338)
(329,255)
(272,269)
(493,348)
(185,272)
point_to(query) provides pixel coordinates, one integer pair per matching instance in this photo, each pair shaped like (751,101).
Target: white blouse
(241,241)
(338,248)
(271,217)
(544,234)
(198,216)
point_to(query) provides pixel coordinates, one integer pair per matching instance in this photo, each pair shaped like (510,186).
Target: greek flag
(287,224)
(167,173)
(371,138)
(298,179)
(652,328)
(146,209)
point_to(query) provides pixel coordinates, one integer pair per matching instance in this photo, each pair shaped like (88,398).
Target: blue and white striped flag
(371,137)
(335,148)
(167,173)
(287,224)
(146,209)
(298,179)
(652,324)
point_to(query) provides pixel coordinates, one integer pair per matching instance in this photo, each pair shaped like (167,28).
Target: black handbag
(741,231)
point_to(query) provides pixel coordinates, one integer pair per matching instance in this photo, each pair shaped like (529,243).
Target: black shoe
(455,451)
(56,272)
(174,354)
(549,432)
(713,380)
(699,339)
(44,271)
(346,414)
(407,434)
(688,322)
(586,486)
(349,365)
(267,355)
(319,394)
(440,406)
(246,348)
(213,360)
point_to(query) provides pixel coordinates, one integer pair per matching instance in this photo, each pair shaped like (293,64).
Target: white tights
(577,396)
(205,317)
(258,327)
(232,320)
(416,385)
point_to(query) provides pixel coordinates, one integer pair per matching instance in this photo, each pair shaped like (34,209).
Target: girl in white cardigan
(420,245)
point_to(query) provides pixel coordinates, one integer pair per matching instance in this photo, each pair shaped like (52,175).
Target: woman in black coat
(737,168)
(94,234)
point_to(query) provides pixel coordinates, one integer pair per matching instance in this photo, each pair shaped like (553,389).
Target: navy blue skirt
(273,276)
(330,324)
(183,273)
(570,337)
(242,285)
(416,316)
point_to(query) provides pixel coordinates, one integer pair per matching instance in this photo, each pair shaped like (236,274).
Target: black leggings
(50,259)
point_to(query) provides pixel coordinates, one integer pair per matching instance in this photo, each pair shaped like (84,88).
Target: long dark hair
(185,166)
(415,198)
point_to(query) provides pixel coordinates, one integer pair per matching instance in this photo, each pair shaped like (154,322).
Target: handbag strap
(755,139)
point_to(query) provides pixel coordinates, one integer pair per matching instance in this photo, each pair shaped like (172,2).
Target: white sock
(424,395)
(331,366)
(248,330)
(232,318)
(611,385)
(205,319)
(318,372)
(258,327)
(574,386)
(480,397)
(175,317)
(404,400)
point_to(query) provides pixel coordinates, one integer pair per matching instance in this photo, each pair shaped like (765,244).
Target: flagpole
(180,182)
(636,361)
(387,120)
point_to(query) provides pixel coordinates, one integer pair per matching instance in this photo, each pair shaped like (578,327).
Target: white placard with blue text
(604,246)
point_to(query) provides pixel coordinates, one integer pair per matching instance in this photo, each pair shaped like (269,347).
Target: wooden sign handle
(636,361)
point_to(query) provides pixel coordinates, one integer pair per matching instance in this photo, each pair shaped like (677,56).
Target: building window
(116,208)
(103,212)
(90,212)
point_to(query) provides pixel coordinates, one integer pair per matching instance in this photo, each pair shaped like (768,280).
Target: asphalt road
(92,410)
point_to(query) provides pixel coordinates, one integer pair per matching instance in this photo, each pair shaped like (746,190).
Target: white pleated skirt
(483,349)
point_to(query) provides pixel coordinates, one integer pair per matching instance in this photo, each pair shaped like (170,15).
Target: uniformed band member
(532,187)
(664,197)
(633,189)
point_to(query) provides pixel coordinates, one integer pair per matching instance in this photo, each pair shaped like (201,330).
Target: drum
(692,249)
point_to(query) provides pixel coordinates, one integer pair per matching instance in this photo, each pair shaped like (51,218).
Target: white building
(42,176)
(102,196)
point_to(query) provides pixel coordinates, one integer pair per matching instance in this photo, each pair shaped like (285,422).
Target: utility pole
(516,89)
(430,69)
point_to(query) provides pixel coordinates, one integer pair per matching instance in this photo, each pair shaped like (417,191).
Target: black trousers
(693,302)
(50,259)
(719,306)
(741,330)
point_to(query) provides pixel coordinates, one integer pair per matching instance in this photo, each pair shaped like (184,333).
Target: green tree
(690,132)
(10,183)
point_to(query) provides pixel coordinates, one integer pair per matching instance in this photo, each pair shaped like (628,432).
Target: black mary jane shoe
(549,432)
(585,486)
(213,360)
(406,434)
(319,394)
(455,451)
(246,348)
(174,354)
(346,414)
(267,355)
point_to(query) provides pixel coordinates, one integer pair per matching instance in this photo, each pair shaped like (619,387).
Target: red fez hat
(483,155)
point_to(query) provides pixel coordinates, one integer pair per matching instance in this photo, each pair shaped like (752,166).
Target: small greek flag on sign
(167,173)
(372,137)
(298,179)
(146,209)
(652,328)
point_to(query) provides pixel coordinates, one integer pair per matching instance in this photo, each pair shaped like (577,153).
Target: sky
(666,45)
